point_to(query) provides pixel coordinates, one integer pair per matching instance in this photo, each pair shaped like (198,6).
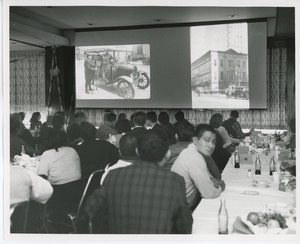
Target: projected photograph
(219,66)
(113,72)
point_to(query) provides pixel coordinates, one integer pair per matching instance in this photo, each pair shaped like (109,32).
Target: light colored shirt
(191,165)
(25,186)
(62,166)
(227,139)
(120,164)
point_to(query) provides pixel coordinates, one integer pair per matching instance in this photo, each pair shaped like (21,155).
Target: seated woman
(60,165)
(196,166)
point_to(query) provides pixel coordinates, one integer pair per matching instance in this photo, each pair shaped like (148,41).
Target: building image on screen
(219,66)
(113,72)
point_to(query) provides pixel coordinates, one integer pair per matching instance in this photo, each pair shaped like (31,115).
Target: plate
(253,193)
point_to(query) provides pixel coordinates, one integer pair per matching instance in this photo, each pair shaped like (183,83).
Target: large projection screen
(169,67)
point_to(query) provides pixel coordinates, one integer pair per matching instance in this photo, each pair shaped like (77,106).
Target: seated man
(107,127)
(143,198)
(127,147)
(94,154)
(195,165)
(233,127)
(74,131)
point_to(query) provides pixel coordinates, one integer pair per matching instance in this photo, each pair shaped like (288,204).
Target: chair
(92,184)
(70,219)
(19,217)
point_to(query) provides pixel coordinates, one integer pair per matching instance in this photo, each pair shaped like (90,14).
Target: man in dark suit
(143,198)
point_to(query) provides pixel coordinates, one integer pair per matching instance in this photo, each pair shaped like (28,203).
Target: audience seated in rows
(127,146)
(195,165)
(107,127)
(94,154)
(142,198)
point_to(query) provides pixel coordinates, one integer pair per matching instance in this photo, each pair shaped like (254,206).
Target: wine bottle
(236,160)
(272,165)
(257,165)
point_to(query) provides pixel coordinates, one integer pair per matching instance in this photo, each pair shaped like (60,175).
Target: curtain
(27,83)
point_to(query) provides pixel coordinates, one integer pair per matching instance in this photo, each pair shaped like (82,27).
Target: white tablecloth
(206,214)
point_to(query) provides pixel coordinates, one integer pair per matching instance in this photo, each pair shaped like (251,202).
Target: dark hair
(60,113)
(152,116)
(234,114)
(185,131)
(202,128)
(163,117)
(15,123)
(89,131)
(122,116)
(57,139)
(123,126)
(153,146)
(111,117)
(78,115)
(127,145)
(22,116)
(216,120)
(35,117)
(139,118)
(58,122)
(179,116)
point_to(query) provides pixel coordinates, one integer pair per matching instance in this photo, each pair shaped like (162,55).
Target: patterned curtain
(27,83)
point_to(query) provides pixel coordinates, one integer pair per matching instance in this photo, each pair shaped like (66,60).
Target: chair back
(92,184)
(19,217)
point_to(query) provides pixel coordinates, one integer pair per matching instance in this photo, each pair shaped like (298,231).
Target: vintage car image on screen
(237,92)
(111,70)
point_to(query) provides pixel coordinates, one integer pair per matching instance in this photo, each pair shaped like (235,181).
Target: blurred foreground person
(142,198)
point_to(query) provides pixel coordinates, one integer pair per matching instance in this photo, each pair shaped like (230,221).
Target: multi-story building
(216,70)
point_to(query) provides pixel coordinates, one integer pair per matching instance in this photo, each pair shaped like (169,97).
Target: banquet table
(238,203)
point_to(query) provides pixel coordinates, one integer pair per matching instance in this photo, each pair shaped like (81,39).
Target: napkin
(240,227)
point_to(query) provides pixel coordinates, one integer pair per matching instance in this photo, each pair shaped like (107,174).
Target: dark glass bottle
(236,160)
(223,218)
(272,165)
(257,166)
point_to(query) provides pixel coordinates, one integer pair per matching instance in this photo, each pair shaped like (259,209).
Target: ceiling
(37,27)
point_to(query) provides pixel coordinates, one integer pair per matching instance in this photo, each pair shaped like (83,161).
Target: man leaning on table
(195,165)
(142,198)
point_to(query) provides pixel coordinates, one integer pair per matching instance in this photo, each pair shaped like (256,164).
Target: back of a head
(139,118)
(234,114)
(163,117)
(128,145)
(35,117)
(185,131)
(153,146)
(202,128)
(123,126)
(15,123)
(111,117)
(122,116)
(56,139)
(58,122)
(152,116)
(89,131)
(22,116)
(79,115)
(179,116)
(216,120)
(60,114)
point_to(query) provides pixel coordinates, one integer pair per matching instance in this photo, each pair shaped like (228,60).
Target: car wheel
(145,61)
(125,89)
(143,81)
